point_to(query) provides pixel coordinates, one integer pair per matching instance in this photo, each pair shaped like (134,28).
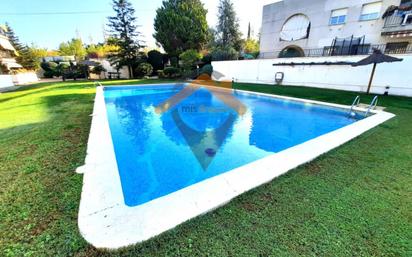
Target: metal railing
(396,20)
(346,51)
(372,106)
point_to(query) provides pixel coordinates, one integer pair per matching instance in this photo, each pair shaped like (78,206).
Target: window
(295,28)
(338,16)
(406,3)
(396,48)
(371,11)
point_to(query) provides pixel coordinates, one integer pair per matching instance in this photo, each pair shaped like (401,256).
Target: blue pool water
(202,135)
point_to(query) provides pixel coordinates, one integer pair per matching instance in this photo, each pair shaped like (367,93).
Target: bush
(48,66)
(207,59)
(98,69)
(174,62)
(50,69)
(61,69)
(144,69)
(190,58)
(155,58)
(207,69)
(224,53)
(172,72)
(48,74)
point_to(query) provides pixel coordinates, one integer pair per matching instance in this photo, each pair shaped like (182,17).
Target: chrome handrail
(98,84)
(372,106)
(355,103)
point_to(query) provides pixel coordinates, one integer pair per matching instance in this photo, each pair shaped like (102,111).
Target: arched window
(295,28)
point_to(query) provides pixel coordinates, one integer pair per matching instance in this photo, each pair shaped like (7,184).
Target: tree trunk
(130,71)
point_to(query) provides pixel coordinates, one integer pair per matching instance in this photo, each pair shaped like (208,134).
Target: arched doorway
(291,51)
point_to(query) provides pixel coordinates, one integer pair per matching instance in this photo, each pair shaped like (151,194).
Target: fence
(397,19)
(394,77)
(347,51)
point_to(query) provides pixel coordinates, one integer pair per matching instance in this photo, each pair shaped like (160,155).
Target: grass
(354,201)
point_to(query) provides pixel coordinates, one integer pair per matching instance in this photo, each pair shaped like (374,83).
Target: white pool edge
(106,222)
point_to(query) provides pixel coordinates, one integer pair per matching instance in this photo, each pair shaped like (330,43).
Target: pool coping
(105,221)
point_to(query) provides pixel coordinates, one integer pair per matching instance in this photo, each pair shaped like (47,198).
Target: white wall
(124,72)
(6,81)
(343,77)
(24,78)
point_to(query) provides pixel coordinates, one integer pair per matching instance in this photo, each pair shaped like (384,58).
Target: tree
(144,69)
(190,58)
(228,26)
(251,46)
(125,36)
(181,25)
(30,57)
(100,50)
(155,58)
(73,47)
(13,38)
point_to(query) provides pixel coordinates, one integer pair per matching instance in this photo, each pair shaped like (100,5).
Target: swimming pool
(159,155)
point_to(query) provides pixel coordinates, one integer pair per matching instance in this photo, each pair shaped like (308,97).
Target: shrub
(207,69)
(61,69)
(144,69)
(171,72)
(155,58)
(190,58)
(174,62)
(48,74)
(48,66)
(224,53)
(98,69)
(50,69)
(207,59)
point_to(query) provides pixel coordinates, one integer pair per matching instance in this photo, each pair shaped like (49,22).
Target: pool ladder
(356,103)
(372,106)
(98,84)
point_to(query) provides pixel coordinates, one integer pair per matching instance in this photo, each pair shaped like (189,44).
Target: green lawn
(353,201)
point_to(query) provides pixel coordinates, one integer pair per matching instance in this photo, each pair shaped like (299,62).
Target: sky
(47,23)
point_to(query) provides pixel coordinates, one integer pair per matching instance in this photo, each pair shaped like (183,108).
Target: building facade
(296,28)
(7,54)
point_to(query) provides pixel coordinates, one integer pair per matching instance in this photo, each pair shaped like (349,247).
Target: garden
(354,200)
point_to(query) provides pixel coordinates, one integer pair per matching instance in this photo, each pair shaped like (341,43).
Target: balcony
(398,24)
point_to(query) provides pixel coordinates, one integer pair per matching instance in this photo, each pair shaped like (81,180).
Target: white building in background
(7,54)
(297,28)
(10,71)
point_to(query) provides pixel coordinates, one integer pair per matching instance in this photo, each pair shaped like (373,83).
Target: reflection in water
(196,118)
(206,142)
(280,124)
(133,116)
